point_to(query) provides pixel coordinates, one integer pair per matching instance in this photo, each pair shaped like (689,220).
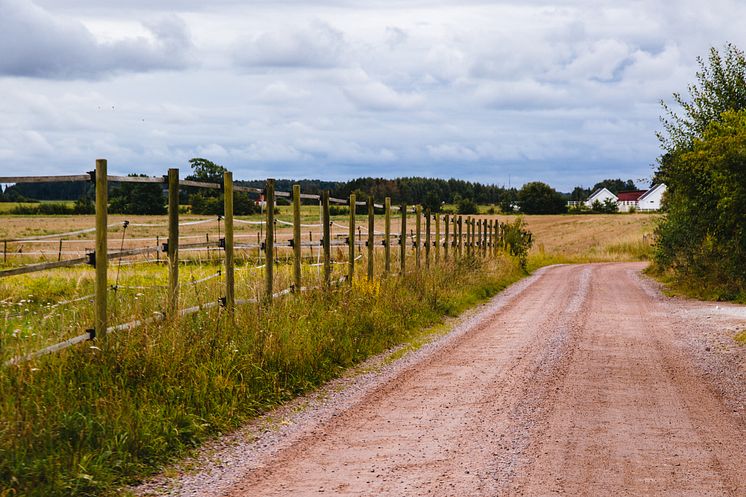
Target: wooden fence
(453,237)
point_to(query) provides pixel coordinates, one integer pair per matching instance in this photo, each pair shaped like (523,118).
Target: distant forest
(532,198)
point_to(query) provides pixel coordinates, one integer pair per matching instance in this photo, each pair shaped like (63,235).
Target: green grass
(93,418)
(740,337)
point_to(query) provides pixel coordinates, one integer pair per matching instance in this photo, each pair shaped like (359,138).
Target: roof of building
(598,192)
(656,187)
(632,196)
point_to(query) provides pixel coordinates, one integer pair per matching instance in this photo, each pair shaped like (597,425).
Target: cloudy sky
(506,91)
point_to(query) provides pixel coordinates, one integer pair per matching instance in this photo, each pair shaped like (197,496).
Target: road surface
(582,381)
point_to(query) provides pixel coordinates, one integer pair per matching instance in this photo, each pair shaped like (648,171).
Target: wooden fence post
(485,245)
(437,238)
(403,240)
(387,236)
(427,238)
(497,237)
(351,240)
(230,294)
(269,243)
(101,253)
(173,241)
(446,243)
(371,236)
(468,236)
(326,241)
(297,248)
(478,236)
(489,238)
(418,231)
(460,236)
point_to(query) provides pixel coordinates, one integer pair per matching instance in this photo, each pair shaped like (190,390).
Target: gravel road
(580,380)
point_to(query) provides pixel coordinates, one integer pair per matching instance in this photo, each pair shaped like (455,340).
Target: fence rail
(482,238)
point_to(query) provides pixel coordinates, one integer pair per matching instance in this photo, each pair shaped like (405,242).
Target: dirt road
(582,381)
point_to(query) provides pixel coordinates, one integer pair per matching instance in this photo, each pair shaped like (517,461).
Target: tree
(206,170)
(539,198)
(580,194)
(703,237)
(137,198)
(615,185)
(720,86)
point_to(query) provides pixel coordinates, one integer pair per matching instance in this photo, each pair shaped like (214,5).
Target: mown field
(98,416)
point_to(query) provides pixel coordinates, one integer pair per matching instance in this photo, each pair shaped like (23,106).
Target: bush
(466,206)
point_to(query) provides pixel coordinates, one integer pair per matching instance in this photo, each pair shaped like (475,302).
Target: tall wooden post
(490,239)
(102,249)
(326,241)
(497,237)
(351,240)
(297,248)
(403,244)
(371,236)
(173,240)
(460,236)
(478,238)
(446,241)
(468,236)
(428,242)
(230,294)
(417,239)
(387,235)
(485,232)
(269,243)
(437,238)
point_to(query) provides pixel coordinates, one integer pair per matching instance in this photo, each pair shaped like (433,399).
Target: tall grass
(92,418)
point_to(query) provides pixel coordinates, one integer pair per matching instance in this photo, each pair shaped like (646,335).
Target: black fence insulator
(223,301)
(91,258)
(399,241)
(347,240)
(91,333)
(221,243)
(92,174)
(291,243)
(383,242)
(263,245)
(366,243)
(164,246)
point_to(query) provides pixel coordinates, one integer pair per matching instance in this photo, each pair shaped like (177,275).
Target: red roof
(630,196)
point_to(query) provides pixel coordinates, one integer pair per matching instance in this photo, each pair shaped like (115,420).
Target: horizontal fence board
(200,184)
(135,179)
(44,179)
(32,268)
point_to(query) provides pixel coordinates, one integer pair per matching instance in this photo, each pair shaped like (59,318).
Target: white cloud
(38,44)
(317,45)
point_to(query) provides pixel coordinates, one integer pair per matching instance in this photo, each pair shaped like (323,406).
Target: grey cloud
(40,45)
(317,45)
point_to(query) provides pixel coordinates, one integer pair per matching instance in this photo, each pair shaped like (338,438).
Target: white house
(651,199)
(601,195)
(638,200)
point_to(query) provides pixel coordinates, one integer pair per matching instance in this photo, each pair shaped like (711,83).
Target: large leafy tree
(615,185)
(539,198)
(702,239)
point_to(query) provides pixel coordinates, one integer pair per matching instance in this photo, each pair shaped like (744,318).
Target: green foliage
(466,206)
(614,186)
(539,198)
(720,86)
(137,198)
(703,236)
(608,206)
(213,205)
(206,171)
(44,208)
(518,240)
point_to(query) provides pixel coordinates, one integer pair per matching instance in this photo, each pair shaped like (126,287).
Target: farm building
(601,196)
(651,199)
(627,201)
(637,200)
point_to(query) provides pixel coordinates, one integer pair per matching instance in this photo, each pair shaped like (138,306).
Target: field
(93,417)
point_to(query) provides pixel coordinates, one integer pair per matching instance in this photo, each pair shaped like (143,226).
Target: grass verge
(92,419)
